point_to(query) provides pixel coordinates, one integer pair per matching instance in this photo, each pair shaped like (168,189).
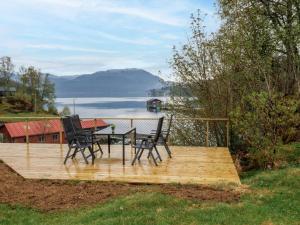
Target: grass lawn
(22,116)
(273,197)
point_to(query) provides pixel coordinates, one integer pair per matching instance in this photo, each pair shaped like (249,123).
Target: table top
(117,131)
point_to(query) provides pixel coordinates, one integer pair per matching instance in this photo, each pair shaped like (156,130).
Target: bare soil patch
(53,195)
(203,193)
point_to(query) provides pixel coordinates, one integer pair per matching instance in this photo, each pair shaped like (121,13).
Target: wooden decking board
(198,165)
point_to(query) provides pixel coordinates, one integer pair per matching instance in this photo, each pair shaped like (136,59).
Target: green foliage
(35,92)
(19,117)
(249,69)
(52,108)
(265,123)
(273,198)
(176,89)
(15,104)
(6,72)
(65,111)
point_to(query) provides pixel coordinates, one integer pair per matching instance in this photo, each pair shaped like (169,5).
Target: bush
(265,123)
(65,111)
(52,109)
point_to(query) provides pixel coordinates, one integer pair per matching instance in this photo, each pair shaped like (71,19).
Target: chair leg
(82,152)
(167,149)
(99,149)
(92,154)
(158,155)
(141,153)
(67,156)
(135,157)
(99,146)
(74,153)
(154,160)
(137,153)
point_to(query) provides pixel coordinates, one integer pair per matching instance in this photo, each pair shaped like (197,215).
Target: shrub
(265,123)
(65,111)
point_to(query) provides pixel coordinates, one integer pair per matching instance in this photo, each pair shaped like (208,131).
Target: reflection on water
(108,107)
(126,107)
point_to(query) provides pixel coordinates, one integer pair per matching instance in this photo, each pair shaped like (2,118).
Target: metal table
(123,132)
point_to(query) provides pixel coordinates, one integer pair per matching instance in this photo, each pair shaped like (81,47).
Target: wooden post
(131,122)
(27,132)
(132,135)
(95,124)
(227,133)
(207,133)
(60,135)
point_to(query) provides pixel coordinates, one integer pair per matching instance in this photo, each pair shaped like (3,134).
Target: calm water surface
(125,107)
(108,107)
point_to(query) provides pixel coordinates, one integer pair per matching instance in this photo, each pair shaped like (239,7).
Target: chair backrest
(158,130)
(169,127)
(68,128)
(76,123)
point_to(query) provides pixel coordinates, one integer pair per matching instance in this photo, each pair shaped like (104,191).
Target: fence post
(60,135)
(26,132)
(132,135)
(227,133)
(95,124)
(131,122)
(44,131)
(207,133)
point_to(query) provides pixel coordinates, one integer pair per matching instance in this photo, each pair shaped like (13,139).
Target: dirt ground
(54,195)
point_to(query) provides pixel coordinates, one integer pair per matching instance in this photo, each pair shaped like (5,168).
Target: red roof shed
(44,127)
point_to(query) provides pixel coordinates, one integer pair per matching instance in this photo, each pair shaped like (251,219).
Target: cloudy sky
(67,37)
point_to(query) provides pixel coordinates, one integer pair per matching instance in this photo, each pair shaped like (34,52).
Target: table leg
(123,142)
(92,154)
(134,136)
(134,141)
(92,142)
(108,140)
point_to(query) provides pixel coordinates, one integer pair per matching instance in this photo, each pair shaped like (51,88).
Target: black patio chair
(163,138)
(149,143)
(89,134)
(76,142)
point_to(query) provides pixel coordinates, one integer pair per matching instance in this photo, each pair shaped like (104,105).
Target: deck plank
(197,165)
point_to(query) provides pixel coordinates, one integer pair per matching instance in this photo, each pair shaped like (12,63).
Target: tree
(284,20)
(6,72)
(31,86)
(254,54)
(66,111)
(197,68)
(48,94)
(269,31)
(38,89)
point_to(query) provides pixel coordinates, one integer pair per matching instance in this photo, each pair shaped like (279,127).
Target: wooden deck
(197,165)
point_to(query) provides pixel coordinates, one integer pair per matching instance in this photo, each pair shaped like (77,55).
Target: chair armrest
(82,137)
(163,131)
(144,136)
(84,132)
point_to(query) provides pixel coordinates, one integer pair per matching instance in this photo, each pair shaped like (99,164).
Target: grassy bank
(273,197)
(4,117)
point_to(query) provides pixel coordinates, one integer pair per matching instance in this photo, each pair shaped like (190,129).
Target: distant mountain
(110,83)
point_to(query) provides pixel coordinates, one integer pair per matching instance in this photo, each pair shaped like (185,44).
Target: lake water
(108,107)
(103,107)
